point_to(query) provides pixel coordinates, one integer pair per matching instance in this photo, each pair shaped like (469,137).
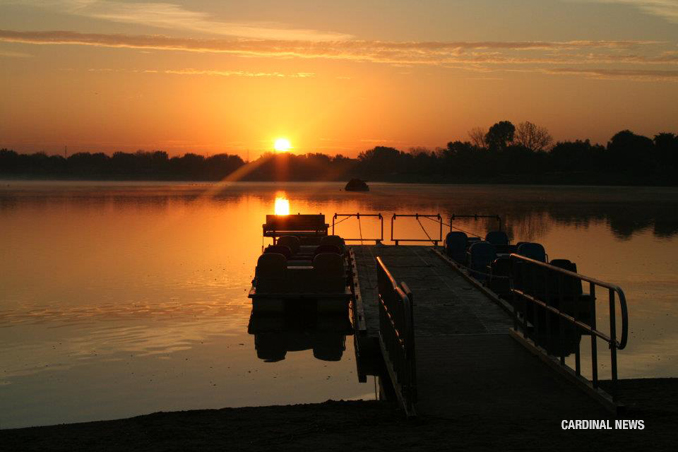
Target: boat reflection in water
(297,330)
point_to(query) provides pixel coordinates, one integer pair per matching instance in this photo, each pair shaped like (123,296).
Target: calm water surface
(119,299)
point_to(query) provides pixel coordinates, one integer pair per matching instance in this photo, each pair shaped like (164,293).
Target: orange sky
(208,77)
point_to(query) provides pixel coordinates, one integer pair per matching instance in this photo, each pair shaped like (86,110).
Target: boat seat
(472,240)
(334,240)
(327,249)
(455,246)
(497,238)
(279,249)
(480,257)
(271,273)
(329,272)
(290,241)
(533,251)
(501,269)
(573,294)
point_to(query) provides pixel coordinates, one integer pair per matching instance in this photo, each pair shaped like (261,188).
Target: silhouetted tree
(570,156)
(380,160)
(532,137)
(631,152)
(627,159)
(500,135)
(477,136)
(666,149)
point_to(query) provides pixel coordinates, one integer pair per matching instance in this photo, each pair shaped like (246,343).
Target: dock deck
(467,362)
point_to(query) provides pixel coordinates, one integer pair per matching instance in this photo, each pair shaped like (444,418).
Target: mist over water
(118,299)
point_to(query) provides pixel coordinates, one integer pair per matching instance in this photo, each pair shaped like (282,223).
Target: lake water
(119,299)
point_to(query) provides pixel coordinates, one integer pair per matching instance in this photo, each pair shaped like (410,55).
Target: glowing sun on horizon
(282,145)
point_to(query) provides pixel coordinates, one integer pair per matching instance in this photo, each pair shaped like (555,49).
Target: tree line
(504,153)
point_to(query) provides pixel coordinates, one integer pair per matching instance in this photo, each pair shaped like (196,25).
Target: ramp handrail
(346,216)
(396,336)
(433,217)
(543,299)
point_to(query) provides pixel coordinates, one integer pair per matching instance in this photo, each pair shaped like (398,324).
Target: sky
(333,77)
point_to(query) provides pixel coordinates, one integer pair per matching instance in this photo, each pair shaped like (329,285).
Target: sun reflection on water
(282,205)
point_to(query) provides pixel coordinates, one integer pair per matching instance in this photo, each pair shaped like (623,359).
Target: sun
(282,145)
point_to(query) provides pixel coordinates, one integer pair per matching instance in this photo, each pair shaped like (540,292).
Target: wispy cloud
(210,72)
(668,9)
(626,74)
(10,54)
(493,56)
(238,73)
(376,51)
(175,17)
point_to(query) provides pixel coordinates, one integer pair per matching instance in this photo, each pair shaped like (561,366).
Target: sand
(361,425)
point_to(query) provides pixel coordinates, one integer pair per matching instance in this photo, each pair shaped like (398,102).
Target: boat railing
(547,289)
(396,336)
(437,218)
(345,216)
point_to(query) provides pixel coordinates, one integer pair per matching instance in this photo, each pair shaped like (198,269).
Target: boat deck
(467,362)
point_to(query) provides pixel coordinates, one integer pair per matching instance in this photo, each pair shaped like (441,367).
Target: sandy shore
(361,426)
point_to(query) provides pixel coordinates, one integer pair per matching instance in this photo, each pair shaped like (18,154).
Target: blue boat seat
(499,282)
(533,251)
(497,238)
(455,246)
(480,257)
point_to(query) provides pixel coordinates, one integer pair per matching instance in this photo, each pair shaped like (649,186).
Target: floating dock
(468,361)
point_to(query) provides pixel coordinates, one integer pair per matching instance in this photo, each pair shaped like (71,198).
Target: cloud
(668,9)
(211,72)
(375,51)
(490,56)
(175,17)
(235,73)
(10,54)
(627,74)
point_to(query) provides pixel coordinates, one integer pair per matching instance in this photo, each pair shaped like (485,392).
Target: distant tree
(415,151)
(477,136)
(631,152)
(577,156)
(500,135)
(666,148)
(532,137)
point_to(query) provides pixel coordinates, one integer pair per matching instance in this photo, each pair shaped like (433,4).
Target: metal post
(613,345)
(441,228)
(547,313)
(594,345)
(381,220)
(535,310)
(561,324)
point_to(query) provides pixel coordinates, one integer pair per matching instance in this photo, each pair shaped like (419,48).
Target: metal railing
(346,216)
(553,304)
(417,216)
(396,336)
